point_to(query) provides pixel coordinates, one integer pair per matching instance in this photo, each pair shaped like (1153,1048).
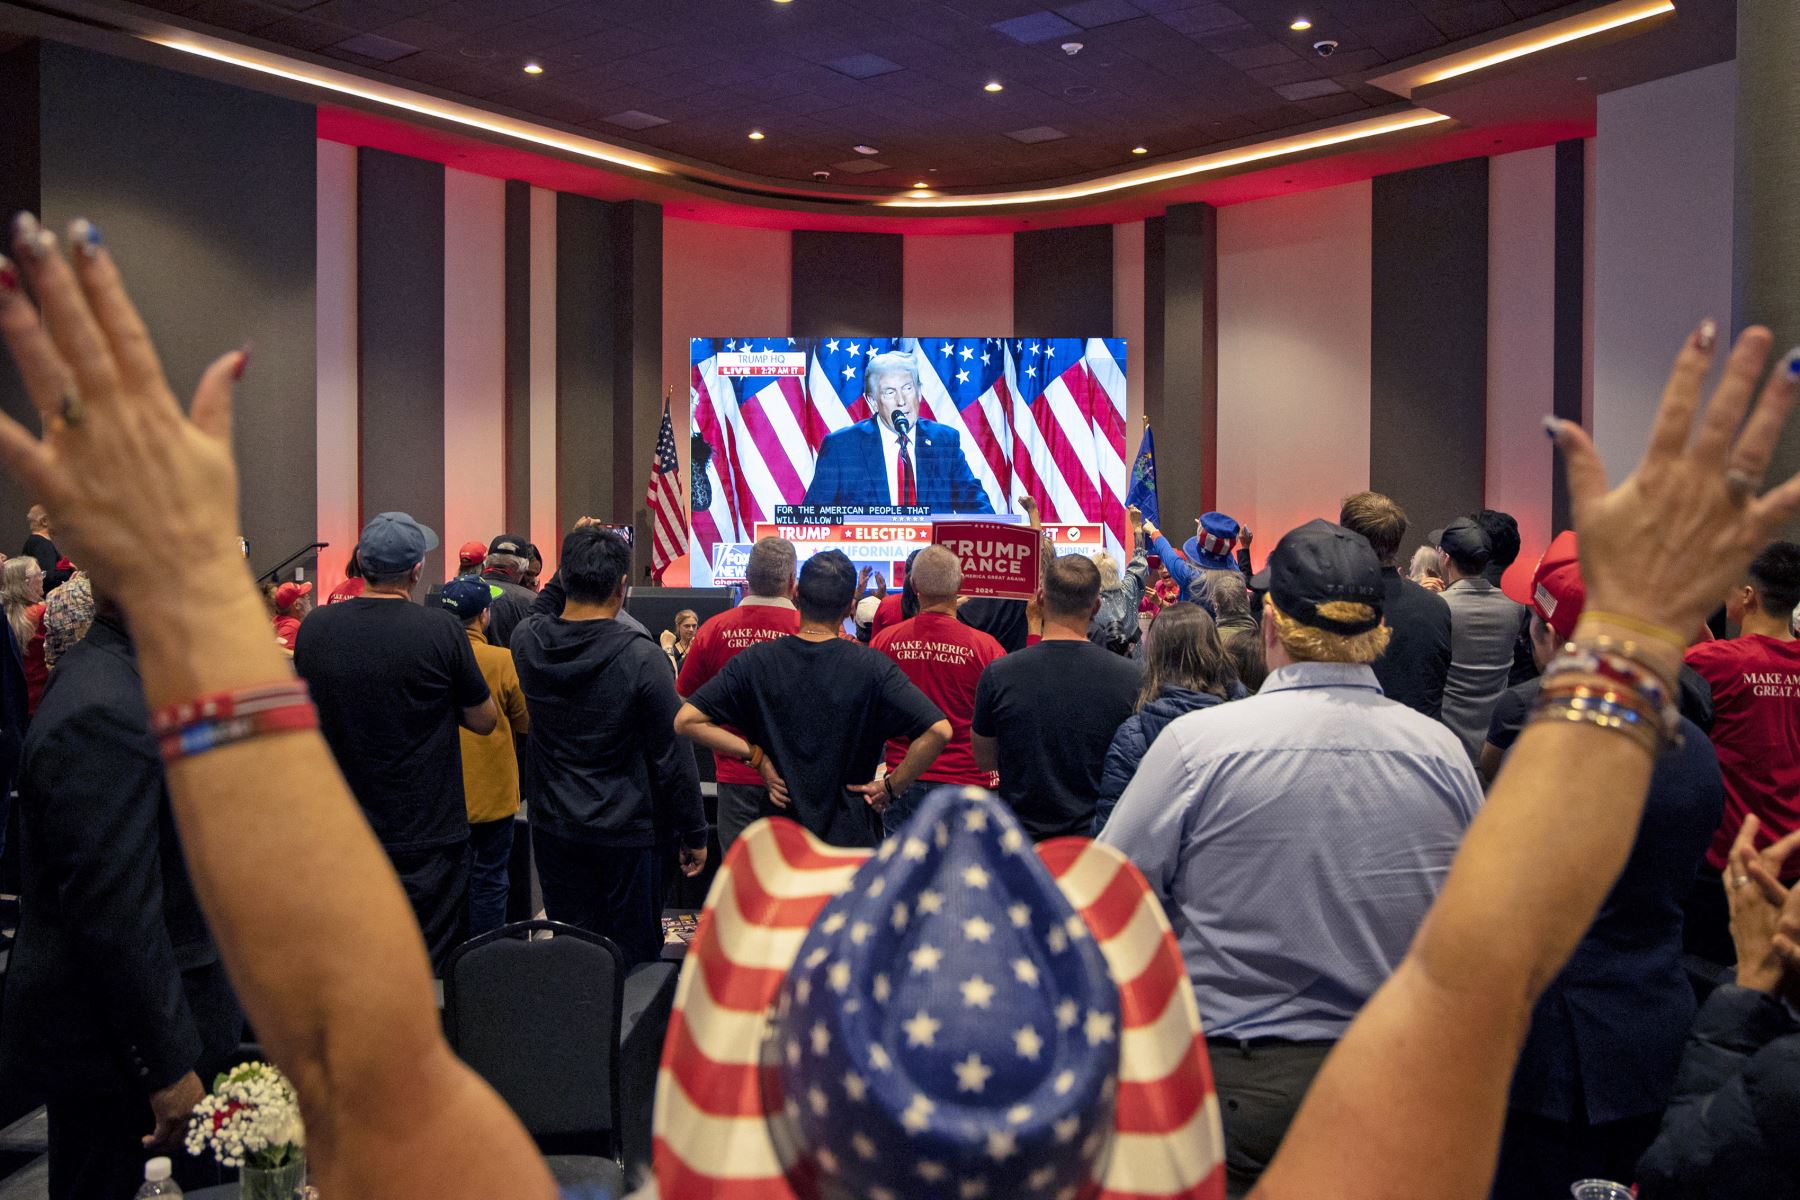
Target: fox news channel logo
(730,562)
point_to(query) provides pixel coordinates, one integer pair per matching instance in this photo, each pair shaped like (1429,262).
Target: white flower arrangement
(252,1118)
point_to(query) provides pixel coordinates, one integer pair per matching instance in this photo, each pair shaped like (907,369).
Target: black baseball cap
(466,597)
(1464,540)
(509,543)
(1316,564)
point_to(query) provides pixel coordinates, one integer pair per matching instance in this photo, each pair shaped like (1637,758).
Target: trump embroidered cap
(466,597)
(1316,564)
(955,1017)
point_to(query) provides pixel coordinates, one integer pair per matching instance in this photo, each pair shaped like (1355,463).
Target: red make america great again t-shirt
(720,640)
(944,658)
(1756,730)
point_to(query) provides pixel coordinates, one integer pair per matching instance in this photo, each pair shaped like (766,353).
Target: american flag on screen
(667,521)
(1039,417)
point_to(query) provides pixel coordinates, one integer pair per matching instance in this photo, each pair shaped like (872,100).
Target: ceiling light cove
(1204,164)
(1140,149)
(532,68)
(1560,33)
(993,85)
(1300,25)
(756,135)
(398,98)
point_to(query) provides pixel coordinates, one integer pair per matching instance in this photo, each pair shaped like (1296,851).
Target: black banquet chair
(568,1039)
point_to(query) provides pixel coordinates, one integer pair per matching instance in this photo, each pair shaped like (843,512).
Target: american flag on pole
(668,520)
(1038,417)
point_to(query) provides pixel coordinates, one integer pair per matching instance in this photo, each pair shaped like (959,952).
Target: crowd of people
(1431,855)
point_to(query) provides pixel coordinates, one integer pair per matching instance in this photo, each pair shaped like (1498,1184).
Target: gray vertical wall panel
(1569,341)
(400,331)
(846,284)
(206,195)
(21,96)
(1766,224)
(1063,282)
(637,362)
(1187,436)
(586,289)
(1151,352)
(517,490)
(1428,352)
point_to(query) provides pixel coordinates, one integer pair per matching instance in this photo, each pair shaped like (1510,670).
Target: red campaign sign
(998,560)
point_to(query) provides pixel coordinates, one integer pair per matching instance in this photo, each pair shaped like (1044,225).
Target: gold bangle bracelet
(1647,628)
(1643,734)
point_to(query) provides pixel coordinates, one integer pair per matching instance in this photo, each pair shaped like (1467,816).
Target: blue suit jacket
(851,473)
(1607,1034)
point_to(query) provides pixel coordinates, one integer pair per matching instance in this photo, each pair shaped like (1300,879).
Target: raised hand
(1663,546)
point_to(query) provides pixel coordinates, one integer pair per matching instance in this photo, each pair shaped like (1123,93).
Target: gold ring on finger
(1743,485)
(71,409)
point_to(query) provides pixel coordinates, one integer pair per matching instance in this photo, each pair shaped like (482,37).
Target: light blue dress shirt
(1296,839)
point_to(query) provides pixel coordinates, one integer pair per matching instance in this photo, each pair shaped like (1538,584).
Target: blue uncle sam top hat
(955,1017)
(1211,548)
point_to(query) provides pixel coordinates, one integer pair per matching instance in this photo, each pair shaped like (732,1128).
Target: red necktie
(909,490)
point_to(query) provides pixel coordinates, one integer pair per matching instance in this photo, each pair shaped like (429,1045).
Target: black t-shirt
(390,680)
(1053,708)
(821,711)
(1003,620)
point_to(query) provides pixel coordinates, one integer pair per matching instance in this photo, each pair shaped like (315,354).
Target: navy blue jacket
(1729,1132)
(115,987)
(1133,740)
(1606,1036)
(851,472)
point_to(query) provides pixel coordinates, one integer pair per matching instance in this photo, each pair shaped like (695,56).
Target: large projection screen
(861,444)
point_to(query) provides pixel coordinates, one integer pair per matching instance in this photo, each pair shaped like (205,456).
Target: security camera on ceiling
(821,176)
(1326,48)
(1071,48)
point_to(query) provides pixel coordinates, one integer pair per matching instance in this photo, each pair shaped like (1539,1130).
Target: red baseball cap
(1557,592)
(288,594)
(472,553)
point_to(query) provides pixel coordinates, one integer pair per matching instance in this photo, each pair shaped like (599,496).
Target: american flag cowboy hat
(953,1017)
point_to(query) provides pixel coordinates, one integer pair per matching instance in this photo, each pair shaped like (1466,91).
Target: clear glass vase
(1599,1189)
(272,1183)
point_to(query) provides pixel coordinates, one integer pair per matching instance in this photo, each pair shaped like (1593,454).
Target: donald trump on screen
(893,457)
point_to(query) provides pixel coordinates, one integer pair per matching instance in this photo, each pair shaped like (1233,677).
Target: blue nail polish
(1793,363)
(84,236)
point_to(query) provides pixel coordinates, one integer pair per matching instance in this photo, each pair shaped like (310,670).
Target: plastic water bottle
(157,1181)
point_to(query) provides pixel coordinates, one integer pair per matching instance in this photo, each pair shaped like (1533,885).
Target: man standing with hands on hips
(895,457)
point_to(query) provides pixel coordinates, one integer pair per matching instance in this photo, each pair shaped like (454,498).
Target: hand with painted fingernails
(1665,544)
(132,479)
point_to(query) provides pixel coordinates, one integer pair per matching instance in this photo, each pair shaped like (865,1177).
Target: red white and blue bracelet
(192,727)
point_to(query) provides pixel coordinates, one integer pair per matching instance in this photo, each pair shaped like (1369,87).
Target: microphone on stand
(902,425)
